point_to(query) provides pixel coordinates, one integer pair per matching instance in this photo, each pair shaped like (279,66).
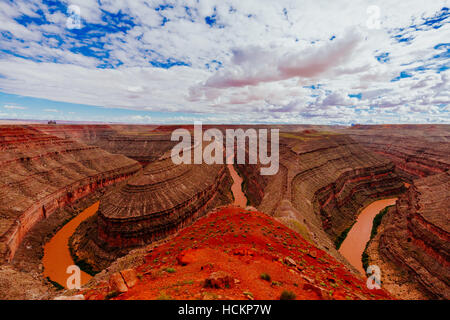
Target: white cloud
(7,106)
(267,55)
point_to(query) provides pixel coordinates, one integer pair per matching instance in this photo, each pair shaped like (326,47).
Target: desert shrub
(164,296)
(112,294)
(375,224)
(265,276)
(287,295)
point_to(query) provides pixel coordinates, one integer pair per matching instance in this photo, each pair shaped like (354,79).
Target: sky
(226,61)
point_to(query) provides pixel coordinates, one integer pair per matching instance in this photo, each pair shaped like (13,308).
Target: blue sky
(227,61)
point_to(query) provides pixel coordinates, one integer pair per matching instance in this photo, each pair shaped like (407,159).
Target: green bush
(342,236)
(265,276)
(112,294)
(375,224)
(287,295)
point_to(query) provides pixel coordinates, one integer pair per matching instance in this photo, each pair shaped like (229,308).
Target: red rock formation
(228,251)
(41,172)
(159,201)
(329,176)
(417,234)
(416,150)
(139,142)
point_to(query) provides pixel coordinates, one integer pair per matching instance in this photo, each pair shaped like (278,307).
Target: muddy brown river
(358,236)
(240,199)
(57,254)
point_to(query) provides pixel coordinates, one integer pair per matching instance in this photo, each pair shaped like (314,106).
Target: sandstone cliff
(416,150)
(326,177)
(416,235)
(42,172)
(143,143)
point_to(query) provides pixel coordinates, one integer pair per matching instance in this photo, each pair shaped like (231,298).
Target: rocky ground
(233,254)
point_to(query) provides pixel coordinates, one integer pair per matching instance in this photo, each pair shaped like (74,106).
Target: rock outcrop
(42,172)
(162,199)
(235,254)
(416,235)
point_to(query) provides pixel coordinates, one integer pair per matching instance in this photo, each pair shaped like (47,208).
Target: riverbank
(393,279)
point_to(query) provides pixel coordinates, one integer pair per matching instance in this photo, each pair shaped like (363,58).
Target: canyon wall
(42,172)
(416,150)
(143,143)
(325,176)
(161,200)
(324,179)
(416,235)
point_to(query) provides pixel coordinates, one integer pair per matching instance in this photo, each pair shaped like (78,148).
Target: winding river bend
(358,236)
(57,254)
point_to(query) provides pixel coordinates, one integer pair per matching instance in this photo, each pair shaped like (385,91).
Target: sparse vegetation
(265,276)
(376,223)
(342,236)
(170,270)
(112,294)
(164,296)
(287,295)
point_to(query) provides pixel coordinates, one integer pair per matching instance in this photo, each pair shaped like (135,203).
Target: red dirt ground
(244,244)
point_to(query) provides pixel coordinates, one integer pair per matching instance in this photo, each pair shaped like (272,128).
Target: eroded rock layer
(416,150)
(42,172)
(158,202)
(143,143)
(417,234)
(326,177)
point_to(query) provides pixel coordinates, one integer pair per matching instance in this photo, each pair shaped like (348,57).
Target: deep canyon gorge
(197,220)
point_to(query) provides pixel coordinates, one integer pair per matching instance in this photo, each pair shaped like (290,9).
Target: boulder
(116,283)
(219,280)
(130,277)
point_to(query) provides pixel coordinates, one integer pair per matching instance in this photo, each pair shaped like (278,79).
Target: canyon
(327,176)
(413,242)
(42,172)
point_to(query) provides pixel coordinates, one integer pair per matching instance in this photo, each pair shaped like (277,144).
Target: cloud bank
(236,61)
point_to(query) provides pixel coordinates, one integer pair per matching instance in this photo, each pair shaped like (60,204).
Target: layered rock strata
(158,202)
(416,150)
(41,173)
(324,176)
(416,234)
(141,143)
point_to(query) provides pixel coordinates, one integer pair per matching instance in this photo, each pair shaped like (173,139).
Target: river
(358,236)
(240,199)
(57,254)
